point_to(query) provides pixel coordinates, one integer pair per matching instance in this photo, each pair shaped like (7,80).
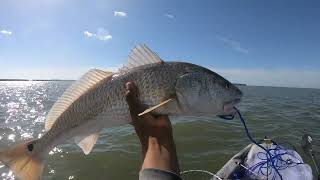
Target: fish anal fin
(87,143)
(155,107)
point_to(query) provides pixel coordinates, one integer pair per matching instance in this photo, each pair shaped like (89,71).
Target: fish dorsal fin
(77,89)
(141,55)
(87,143)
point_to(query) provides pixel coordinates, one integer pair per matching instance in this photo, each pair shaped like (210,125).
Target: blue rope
(270,158)
(273,155)
(280,163)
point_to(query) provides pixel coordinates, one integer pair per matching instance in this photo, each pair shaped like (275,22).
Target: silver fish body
(105,106)
(97,101)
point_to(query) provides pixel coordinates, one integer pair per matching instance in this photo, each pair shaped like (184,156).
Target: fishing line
(270,158)
(202,171)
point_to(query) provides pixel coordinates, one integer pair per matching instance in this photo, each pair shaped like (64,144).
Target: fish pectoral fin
(155,107)
(87,143)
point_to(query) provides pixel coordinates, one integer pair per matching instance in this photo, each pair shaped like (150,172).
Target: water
(283,114)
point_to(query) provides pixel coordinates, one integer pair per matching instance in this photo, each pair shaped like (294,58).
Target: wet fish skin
(105,105)
(195,91)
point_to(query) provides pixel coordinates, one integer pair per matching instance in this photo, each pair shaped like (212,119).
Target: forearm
(161,154)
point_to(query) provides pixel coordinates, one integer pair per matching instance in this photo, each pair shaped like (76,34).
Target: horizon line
(238,84)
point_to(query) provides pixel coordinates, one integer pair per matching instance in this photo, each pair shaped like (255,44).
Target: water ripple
(202,142)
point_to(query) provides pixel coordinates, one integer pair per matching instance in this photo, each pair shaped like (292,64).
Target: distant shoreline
(239,84)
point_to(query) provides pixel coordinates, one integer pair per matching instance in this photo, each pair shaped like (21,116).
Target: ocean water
(283,114)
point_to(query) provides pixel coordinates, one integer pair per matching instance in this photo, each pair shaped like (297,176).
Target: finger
(135,107)
(131,90)
(131,97)
(147,117)
(131,86)
(133,102)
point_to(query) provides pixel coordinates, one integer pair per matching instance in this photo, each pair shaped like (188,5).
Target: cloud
(6,32)
(120,13)
(170,16)
(104,37)
(101,34)
(88,34)
(235,45)
(273,77)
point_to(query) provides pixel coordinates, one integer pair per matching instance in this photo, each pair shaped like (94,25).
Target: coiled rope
(272,156)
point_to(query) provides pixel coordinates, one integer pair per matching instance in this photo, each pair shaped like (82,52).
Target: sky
(265,43)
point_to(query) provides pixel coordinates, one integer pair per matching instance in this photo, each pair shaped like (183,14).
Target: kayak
(254,162)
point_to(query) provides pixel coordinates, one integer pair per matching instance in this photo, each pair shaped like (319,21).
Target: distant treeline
(237,84)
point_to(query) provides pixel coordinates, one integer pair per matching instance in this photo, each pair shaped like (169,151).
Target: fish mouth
(228,107)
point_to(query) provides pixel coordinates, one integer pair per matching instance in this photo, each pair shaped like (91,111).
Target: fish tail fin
(23,161)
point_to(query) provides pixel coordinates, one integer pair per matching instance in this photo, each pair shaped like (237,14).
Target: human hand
(154,132)
(148,124)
